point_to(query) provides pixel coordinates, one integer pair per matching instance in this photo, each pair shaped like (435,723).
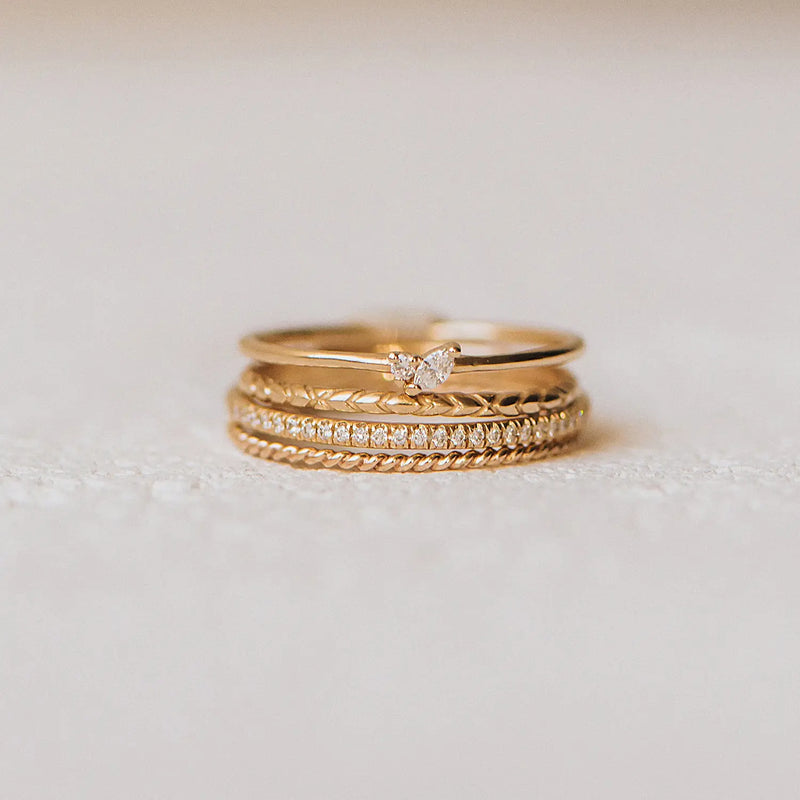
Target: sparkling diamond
(399,436)
(309,430)
(494,435)
(543,428)
(341,433)
(277,424)
(434,369)
(360,434)
(525,433)
(419,437)
(477,437)
(510,436)
(324,430)
(293,427)
(380,436)
(402,366)
(458,437)
(263,419)
(439,438)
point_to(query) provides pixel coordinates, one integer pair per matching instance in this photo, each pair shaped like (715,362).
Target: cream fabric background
(179,621)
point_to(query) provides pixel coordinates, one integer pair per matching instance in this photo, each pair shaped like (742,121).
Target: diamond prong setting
(426,372)
(402,366)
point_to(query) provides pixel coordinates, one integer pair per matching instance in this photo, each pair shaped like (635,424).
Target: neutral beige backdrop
(178,621)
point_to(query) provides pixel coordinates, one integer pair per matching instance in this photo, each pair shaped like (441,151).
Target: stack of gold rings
(428,396)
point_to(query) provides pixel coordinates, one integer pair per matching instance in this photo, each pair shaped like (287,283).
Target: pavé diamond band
(375,433)
(371,397)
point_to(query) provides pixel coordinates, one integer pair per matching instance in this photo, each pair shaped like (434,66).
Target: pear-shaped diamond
(435,368)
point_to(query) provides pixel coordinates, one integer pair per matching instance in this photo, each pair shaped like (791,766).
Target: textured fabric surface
(178,620)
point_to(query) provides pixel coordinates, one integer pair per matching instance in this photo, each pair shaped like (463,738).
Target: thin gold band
(390,349)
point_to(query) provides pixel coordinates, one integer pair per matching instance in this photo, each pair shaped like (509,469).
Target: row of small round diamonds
(529,430)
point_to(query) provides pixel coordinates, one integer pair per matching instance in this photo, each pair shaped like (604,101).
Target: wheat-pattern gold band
(324,389)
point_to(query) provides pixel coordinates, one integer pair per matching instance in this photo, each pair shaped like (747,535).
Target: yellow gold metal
(488,347)
(309,456)
(526,392)
(323,396)
(298,425)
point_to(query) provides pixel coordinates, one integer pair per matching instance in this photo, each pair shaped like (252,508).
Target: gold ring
(420,357)
(525,391)
(325,396)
